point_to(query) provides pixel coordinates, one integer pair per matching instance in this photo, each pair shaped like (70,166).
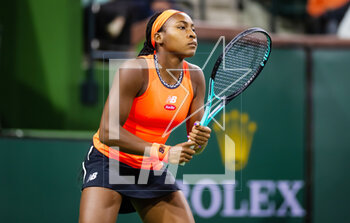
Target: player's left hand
(200,135)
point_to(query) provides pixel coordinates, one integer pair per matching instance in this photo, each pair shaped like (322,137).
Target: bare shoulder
(133,71)
(135,66)
(136,63)
(132,76)
(195,70)
(197,75)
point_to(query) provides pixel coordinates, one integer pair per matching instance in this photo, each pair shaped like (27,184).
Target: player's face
(179,36)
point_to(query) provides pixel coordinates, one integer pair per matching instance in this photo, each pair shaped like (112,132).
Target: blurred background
(290,128)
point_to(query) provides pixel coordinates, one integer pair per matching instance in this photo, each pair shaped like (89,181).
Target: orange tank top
(153,115)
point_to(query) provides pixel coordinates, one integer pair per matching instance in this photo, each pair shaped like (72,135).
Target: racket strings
(241,62)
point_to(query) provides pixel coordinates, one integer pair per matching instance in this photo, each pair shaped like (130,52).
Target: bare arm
(197,133)
(197,105)
(130,82)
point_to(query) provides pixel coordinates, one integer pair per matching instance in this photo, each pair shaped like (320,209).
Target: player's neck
(169,61)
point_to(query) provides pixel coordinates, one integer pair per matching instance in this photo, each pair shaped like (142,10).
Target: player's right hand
(181,153)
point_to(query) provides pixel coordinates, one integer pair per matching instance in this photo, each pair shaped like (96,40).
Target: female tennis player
(124,169)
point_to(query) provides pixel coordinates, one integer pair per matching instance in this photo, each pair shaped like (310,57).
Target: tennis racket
(236,68)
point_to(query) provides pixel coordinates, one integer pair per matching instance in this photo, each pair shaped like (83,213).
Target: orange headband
(159,22)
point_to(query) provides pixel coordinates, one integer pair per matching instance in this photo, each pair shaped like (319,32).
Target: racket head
(239,65)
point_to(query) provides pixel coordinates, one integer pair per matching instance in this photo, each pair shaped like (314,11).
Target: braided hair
(147,45)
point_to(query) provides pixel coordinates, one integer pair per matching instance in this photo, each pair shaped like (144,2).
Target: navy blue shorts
(126,180)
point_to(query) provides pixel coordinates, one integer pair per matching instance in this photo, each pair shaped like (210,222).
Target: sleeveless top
(153,115)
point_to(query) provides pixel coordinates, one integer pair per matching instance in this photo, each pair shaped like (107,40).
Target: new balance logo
(92,177)
(171,99)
